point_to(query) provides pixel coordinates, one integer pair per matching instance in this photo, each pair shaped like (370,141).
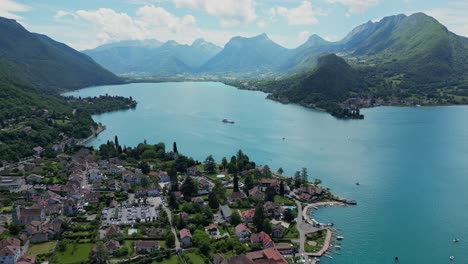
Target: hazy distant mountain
(158,59)
(242,55)
(44,63)
(147,43)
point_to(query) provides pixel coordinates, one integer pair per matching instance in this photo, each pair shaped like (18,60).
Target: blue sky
(85,24)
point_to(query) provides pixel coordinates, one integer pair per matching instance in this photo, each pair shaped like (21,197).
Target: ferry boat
(227,121)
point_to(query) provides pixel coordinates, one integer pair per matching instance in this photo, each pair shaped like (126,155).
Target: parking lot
(128,214)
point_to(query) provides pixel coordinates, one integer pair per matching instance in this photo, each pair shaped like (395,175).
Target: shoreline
(96,133)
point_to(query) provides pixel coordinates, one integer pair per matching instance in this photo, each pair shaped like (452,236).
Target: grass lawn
(291,232)
(43,248)
(75,253)
(283,200)
(129,244)
(317,239)
(196,259)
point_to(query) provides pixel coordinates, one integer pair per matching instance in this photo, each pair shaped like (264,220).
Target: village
(150,205)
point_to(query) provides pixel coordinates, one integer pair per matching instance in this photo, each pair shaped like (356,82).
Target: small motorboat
(452,258)
(396,260)
(227,121)
(339,238)
(456,240)
(357,183)
(330,224)
(338,247)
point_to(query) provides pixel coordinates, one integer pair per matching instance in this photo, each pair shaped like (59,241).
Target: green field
(283,200)
(172,260)
(43,248)
(75,253)
(194,258)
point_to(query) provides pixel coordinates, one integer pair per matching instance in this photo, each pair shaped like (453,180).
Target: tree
(304,175)
(174,148)
(220,191)
(288,215)
(297,179)
(281,190)
(213,201)
(270,193)
(173,201)
(248,183)
(61,246)
(116,142)
(188,188)
(267,226)
(145,182)
(145,167)
(235,218)
(210,164)
(258,217)
(224,163)
(170,239)
(202,241)
(266,171)
(99,254)
(317,182)
(236,183)
(280,171)
(232,166)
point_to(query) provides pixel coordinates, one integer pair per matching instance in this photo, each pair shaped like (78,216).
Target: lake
(412,163)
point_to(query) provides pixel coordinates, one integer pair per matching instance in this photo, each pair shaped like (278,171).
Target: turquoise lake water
(412,163)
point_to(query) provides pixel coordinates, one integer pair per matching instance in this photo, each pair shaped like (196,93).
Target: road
(169,216)
(302,234)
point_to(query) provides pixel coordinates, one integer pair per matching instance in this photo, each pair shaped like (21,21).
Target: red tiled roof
(248,213)
(184,233)
(241,228)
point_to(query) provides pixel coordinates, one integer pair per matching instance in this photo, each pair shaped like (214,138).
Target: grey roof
(226,211)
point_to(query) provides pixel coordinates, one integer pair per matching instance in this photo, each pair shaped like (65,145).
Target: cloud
(453,17)
(304,14)
(229,12)
(355,6)
(8,8)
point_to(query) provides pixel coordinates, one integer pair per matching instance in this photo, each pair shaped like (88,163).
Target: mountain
(242,55)
(46,64)
(147,43)
(165,59)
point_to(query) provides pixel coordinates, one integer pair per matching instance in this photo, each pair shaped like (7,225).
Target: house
(193,171)
(263,239)
(10,250)
(24,216)
(34,177)
(241,259)
(95,174)
(163,176)
(184,216)
(144,247)
(38,150)
(112,246)
(256,193)
(113,185)
(26,259)
(266,183)
(92,197)
(112,231)
(226,212)
(278,231)
(219,259)
(154,232)
(242,231)
(237,195)
(11,183)
(115,169)
(198,200)
(212,230)
(285,248)
(185,237)
(247,215)
(203,184)
(269,255)
(272,210)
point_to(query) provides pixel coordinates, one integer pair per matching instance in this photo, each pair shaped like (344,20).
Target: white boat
(456,240)
(339,238)
(452,258)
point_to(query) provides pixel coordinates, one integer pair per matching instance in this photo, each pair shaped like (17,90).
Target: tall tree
(210,164)
(235,218)
(297,179)
(248,183)
(270,193)
(173,201)
(188,188)
(174,148)
(116,142)
(213,200)
(266,171)
(267,226)
(304,175)
(232,166)
(170,239)
(258,217)
(144,167)
(224,163)
(281,189)
(236,183)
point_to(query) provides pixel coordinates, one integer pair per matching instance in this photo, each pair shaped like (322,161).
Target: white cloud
(261,24)
(229,12)
(453,17)
(8,9)
(304,14)
(302,36)
(355,6)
